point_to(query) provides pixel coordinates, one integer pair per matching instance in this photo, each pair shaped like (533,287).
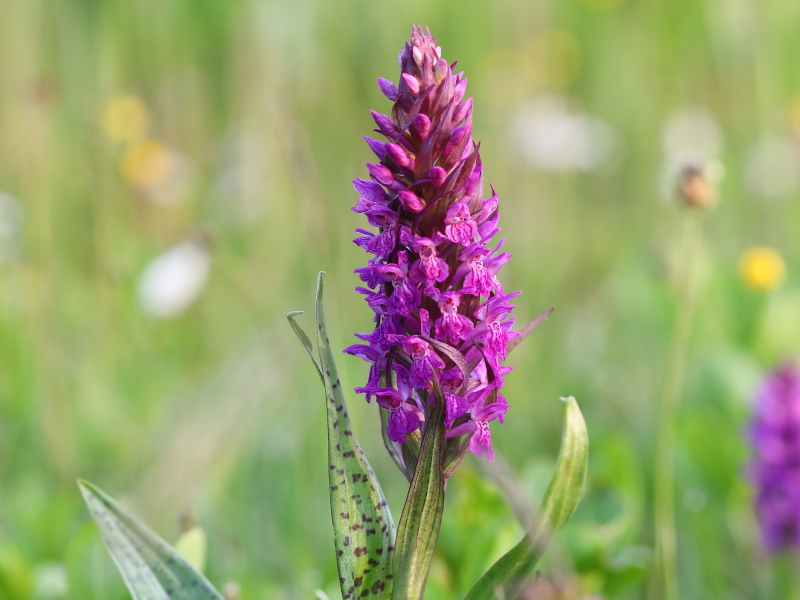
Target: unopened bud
(385,125)
(440,70)
(422,124)
(459,90)
(462,110)
(398,155)
(379,148)
(437,175)
(417,54)
(380,174)
(388,88)
(410,201)
(412,83)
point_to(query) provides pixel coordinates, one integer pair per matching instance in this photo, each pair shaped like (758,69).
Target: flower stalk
(666,586)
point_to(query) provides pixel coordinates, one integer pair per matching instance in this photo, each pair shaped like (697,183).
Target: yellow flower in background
(762,269)
(794,114)
(126,119)
(146,164)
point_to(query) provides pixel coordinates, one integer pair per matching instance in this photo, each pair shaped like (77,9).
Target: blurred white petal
(691,134)
(553,138)
(772,167)
(174,280)
(10,223)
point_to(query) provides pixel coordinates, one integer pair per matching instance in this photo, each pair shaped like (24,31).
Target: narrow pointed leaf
(303,337)
(560,500)
(422,513)
(362,525)
(150,567)
(529,328)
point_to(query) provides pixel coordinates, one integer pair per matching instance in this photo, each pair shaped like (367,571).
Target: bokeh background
(173,174)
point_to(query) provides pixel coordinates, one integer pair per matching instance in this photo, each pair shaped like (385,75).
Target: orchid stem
(664,513)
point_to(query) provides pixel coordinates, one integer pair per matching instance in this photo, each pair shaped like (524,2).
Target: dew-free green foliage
(362,523)
(151,568)
(217,410)
(560,501)
(419,525)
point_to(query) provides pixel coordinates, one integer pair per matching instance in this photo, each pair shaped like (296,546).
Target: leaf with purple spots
(362,524)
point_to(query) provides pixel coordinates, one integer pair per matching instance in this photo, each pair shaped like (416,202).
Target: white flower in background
(772,166)
(552,137)
(174,280)
(10,223)
(691,135)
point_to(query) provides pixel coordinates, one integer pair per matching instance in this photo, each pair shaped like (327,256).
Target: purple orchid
(404,417)
(441,314)
(775,471)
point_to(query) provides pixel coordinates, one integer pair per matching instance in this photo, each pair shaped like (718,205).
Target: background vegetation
(127,128)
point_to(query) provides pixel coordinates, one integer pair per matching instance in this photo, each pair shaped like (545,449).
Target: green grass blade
(362,525)
(560,500)
(150,567)
(422,513)
(304,339)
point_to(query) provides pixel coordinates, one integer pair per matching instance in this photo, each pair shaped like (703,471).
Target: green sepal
(422,513)
(363,529)
(150,567)
(565,491)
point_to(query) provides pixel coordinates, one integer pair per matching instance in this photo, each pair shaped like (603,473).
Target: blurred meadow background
(173,174)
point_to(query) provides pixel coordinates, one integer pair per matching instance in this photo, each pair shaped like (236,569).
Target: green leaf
(422,513)
(563,494)
(151,568)
(304,339)
(193,546)
(362,525)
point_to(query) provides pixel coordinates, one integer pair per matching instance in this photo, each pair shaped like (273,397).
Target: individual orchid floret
(480,443)
(424,361)
(404,417)
(452,326)
(429,269)
(460,228)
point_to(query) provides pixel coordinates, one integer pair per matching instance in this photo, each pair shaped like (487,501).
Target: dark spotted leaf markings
(563,494)
(362,524)
(151,568)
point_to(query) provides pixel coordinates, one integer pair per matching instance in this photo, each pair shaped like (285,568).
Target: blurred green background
(225,134)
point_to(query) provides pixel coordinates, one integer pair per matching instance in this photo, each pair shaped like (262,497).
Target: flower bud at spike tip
(385,125)
(461,112)
(398,155)
(431,280)
(422,124)
(379,148)
(412,83)
(388,89)
(440,70)
(410,201)
(380,174)
(437,175)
